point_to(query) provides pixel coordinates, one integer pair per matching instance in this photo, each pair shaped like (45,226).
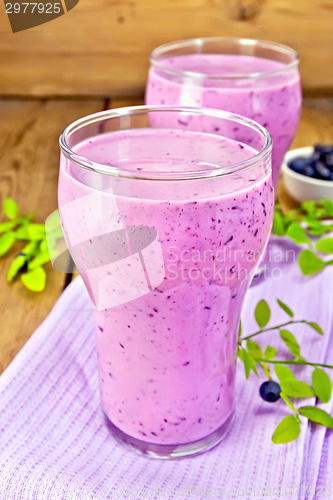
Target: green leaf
(295,388)
(31,249)
(39,260)
(44,246)
(297,233)
(240,353)
(270,352)
(278,224)
(290,341)
(15,266)
(34,280)
(6,242)
(288,430)
(10,208)
(262,313)
(288,402)
(22,232)
(254,349)
(313,223)
(317,415)
(322,385)
(283,372)
(7,226)
(325,245)
(315,208)
(310,263)
(285,308)
(36,231)
(309,207)
(315,326)
(317,231)
(329,207)
(315,227)
(249,363)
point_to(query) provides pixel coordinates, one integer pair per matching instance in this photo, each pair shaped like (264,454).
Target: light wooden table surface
(29,156)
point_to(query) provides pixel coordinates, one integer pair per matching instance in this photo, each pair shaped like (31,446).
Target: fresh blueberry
(322,172)
(298,164)
(319,165)
(324,157)
(315,156)
(319,147)
(329,162)
(270,391)
(323,148)
(312,163)
(309,171)
(329,149)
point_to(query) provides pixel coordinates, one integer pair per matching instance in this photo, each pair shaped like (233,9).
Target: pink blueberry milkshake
(259,80)
(167,249)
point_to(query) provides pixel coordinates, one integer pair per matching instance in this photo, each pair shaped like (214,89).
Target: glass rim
(199,42)
(166,176)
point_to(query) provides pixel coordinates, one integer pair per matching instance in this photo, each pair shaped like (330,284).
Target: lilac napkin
(54,443)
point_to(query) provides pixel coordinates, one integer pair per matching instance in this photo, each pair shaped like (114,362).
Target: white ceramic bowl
(301,187)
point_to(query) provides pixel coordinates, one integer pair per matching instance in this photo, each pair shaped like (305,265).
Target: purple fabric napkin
(54,443)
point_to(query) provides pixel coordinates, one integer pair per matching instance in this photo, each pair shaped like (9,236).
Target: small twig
(293,362)
(292,322)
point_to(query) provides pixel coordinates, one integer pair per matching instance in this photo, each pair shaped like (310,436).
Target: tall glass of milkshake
(166,212)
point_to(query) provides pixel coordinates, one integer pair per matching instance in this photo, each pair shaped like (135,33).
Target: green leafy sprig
(254,358)
(303,223)
(28,263)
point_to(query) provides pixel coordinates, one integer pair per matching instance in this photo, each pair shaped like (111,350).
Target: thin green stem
(293,362)
(290,405)
(291,322)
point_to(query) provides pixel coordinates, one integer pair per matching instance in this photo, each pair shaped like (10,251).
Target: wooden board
(29,162)
(101,47)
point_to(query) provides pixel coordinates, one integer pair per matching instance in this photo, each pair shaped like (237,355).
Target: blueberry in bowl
(308,172)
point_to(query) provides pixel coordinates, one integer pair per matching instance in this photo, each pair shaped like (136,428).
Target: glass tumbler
(255,78)
(166,225)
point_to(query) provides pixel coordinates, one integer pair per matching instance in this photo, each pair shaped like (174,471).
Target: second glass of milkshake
(254,78)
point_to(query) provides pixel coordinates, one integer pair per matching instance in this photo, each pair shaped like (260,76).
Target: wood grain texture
(29,162)
(101,47)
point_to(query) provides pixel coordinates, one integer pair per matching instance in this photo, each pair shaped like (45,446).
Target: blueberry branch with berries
(287,386)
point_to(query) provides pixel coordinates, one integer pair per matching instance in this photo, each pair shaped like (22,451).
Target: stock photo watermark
(225,265)
(23,14)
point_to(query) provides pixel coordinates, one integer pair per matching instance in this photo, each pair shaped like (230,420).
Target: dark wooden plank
(29,162)
(101,47)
